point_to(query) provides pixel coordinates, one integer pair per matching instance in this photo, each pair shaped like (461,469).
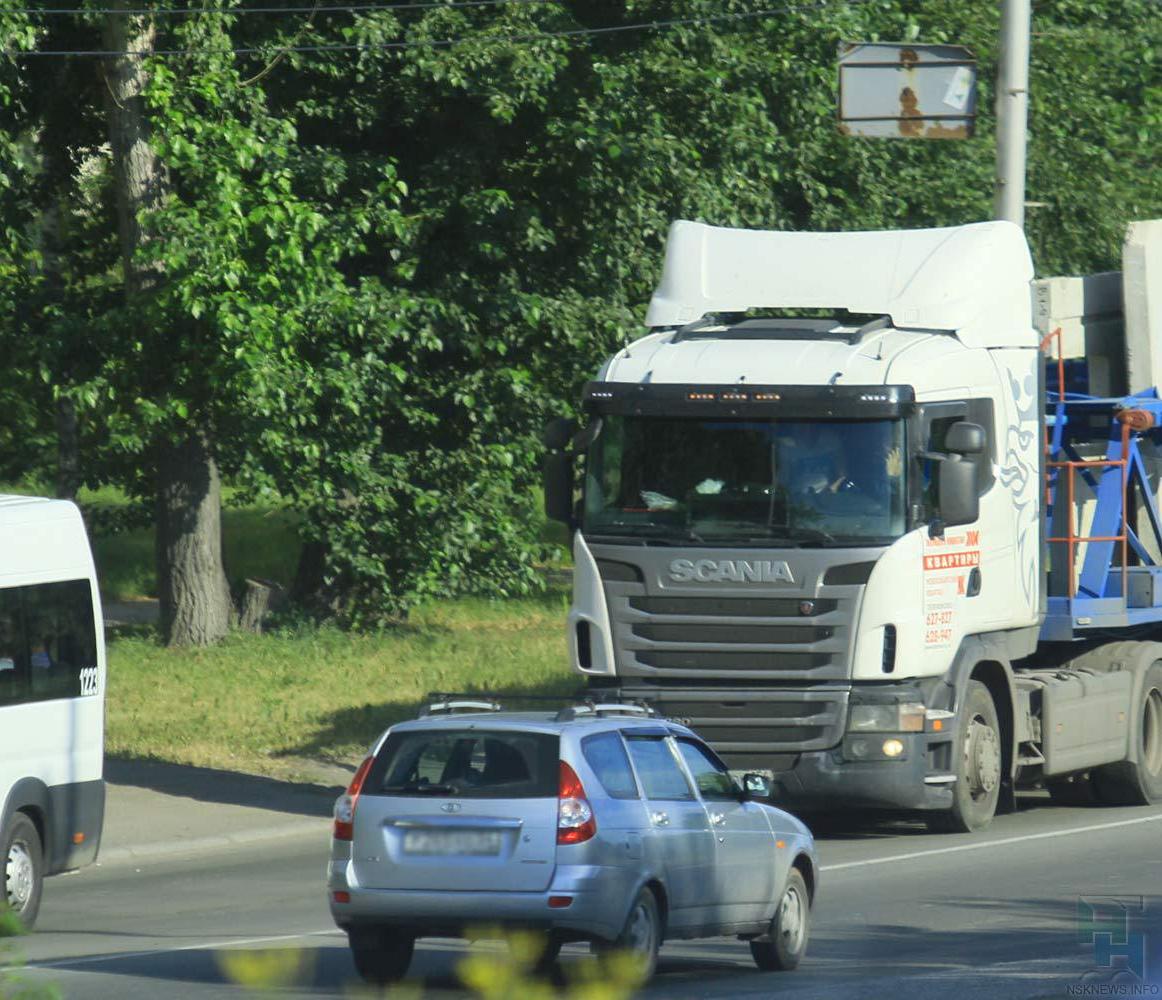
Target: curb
(116,857)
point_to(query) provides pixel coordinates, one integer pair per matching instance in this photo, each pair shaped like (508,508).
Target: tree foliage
(385,267)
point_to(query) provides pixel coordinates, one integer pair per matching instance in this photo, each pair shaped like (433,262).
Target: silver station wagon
(599,822)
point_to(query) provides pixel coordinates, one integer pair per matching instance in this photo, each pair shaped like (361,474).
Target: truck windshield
(745,482)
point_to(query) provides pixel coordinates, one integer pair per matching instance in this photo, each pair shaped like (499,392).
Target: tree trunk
(195,598)
(259,599)
(192,588)
(138,176)
(68,463)
(308,589)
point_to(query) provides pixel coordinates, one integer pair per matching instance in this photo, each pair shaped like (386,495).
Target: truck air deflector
(757,401)
(969,280)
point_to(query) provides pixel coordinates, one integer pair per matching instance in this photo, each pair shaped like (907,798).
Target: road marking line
(1024,838)
(210,945)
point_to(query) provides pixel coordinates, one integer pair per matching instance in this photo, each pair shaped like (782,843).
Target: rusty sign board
(906,91)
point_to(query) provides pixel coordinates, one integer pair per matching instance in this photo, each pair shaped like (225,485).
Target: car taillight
(344,828)
(575,820)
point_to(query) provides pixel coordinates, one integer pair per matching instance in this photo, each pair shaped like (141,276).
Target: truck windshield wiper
(800,536)
(656,534)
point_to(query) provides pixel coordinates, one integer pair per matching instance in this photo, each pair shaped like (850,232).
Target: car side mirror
(756,786)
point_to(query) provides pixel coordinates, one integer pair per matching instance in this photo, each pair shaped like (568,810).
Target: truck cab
(810,513)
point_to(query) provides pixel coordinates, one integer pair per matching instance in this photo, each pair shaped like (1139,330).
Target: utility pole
(1012,110)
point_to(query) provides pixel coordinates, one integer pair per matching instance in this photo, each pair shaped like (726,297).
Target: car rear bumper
(599,900)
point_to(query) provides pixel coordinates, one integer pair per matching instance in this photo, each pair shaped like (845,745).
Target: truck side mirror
(959,502)
(558,433)
(558,484)
(964,438)
(557,470)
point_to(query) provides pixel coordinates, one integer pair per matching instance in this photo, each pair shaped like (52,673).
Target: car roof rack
(595,709)
(453,704)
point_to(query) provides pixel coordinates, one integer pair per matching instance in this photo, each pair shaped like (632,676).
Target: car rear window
(605,753)
(468,763)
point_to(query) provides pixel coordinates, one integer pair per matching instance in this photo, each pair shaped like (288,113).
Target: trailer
(877,514)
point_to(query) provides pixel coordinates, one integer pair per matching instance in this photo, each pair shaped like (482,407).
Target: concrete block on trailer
(1142,289)
(1088,310)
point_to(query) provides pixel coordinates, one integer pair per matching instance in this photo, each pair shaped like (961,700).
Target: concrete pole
(1012,110)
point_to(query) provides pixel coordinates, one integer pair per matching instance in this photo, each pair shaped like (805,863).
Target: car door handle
(660,819)
(717,818)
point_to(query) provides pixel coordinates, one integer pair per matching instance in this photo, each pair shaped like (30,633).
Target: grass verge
(269,704)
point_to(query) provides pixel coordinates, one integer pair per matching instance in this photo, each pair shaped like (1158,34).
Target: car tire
(783,946)
(546,959)
(978,760)
(23,869)
(381,956)
(1137,783)
(641,937)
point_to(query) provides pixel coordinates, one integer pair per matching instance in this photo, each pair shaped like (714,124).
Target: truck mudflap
(830,779)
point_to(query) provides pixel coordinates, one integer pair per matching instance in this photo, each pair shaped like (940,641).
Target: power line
(330,8)
(434,43)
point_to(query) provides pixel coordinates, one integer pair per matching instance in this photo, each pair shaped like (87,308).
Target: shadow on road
(206,784)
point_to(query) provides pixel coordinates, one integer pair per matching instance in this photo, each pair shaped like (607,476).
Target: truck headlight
(895,717)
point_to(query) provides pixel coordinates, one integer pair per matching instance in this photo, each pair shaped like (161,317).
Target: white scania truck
(848,513)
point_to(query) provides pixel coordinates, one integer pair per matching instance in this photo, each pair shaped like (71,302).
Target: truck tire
(977,761)
(381,956)
(1138,783)
(23,869)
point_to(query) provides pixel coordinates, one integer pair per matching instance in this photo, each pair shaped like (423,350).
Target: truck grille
(748,723)
(761,673)
(772,639)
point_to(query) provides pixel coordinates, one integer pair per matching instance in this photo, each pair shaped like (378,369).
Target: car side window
(712,778)
(605,753)
(658,769)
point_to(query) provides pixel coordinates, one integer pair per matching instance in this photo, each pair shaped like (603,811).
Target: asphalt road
(901,913)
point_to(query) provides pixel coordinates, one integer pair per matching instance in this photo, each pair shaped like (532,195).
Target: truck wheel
(1138,783)
(381,956)
(782,947)
(978,760)
(23,869)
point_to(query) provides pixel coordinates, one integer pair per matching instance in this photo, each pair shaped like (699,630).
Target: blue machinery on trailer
(1120,583)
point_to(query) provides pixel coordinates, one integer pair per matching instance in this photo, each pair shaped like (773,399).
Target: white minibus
(52,698)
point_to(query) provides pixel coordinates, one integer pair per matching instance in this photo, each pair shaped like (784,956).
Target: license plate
(473,843)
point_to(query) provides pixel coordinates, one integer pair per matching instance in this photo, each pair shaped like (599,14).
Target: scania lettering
(877,513)
(52,698)
(737,571)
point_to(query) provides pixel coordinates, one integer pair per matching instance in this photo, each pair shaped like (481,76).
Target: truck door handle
(660,819)
(973,586)
(717,819)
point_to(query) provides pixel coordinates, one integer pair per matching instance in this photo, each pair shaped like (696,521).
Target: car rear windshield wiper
(416,786)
